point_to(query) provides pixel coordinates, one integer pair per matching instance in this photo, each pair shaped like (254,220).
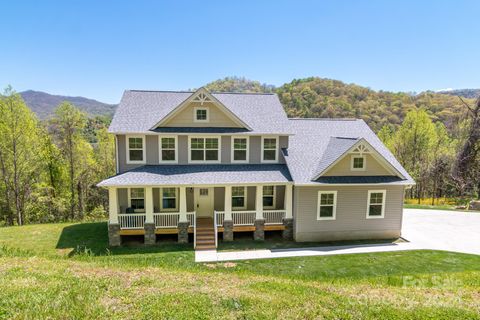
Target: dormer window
(358,163)
(200,114)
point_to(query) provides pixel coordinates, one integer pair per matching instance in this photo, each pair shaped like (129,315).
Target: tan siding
(122,194)
(351,221)
(217,117)
(219,198)
(342,168)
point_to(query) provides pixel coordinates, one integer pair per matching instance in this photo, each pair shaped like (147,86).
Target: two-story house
(214,164)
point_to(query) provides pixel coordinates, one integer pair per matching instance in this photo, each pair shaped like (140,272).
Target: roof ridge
(211,92)
(326,119)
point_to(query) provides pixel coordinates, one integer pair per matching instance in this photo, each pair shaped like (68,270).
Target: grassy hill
(44,104)
(66,271)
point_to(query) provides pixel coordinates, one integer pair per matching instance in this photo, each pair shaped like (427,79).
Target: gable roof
(204,93)
(317,143)
(338,148)
(139,111)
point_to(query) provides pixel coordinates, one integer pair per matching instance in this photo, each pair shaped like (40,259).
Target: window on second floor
(204,149)
(269,149)
(168,149)
(240,149)
(358,163)
(136,149)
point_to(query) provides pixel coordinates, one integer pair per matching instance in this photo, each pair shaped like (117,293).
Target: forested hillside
(44,104)
(435,136)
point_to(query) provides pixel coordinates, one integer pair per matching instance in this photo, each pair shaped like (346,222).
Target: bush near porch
(66,271)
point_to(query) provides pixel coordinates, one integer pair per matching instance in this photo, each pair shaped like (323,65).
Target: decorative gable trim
(362,147)
(202,96)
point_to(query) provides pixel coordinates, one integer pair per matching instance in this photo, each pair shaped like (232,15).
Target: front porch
(152,211)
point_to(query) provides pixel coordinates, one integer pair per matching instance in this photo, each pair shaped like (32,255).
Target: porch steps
(205,234)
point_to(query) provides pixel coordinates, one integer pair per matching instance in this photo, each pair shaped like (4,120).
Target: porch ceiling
(151,175)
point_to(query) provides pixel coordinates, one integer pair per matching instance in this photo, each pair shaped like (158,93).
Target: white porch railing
(194,229)
(243,218)
(215,228)
(166,219)
(273,216)
(131,220)
(191,218)
(220,218)
(171,219)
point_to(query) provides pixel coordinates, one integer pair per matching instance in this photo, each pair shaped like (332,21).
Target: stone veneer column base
(114,239)
(287,233)
(259,233)
(227,230)
(150,236)
(183,232)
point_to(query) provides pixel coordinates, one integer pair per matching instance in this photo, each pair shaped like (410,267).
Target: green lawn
(65,271)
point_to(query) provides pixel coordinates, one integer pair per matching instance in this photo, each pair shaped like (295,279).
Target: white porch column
(288,201)
(112,205)
(148,205)
(183,204)
(259,203)
(228,203)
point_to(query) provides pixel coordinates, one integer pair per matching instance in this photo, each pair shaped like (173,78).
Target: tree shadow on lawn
(92,239)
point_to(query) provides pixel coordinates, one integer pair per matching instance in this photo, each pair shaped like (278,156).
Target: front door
(204,202)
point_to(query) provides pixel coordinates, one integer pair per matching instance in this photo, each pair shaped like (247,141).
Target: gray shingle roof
(361,179)
(151,175)
(139,111)
(317,141)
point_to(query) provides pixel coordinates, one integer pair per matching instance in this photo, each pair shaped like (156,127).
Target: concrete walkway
(424,229)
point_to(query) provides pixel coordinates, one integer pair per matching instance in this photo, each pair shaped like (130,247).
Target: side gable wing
(183,113)
(336,158)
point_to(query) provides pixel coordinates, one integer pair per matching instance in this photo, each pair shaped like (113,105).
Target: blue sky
(99,48)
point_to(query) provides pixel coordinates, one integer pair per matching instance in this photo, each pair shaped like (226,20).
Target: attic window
(358,163)
(201,114)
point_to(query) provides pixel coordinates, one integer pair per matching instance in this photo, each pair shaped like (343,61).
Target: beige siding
(351,221)
(343,168)
(217,117)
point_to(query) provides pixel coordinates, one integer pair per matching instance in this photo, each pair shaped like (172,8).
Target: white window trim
(245,195)
(195,114)
(127,138)
(204,161)
(364,162)
(276,149)
(274,201)
(334,214)
(160,149)
(383,204)
(130,199)
(161,201)
(232,160)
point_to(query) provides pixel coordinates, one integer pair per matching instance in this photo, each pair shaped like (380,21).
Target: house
(210,165)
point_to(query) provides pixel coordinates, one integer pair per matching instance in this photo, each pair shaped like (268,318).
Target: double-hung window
(239,197)
(204,150)
(269,149)
(169,199)
(376,204)
(327,205)
(168,149)
(239,149)
(136,149)
(137,199)
(268,197)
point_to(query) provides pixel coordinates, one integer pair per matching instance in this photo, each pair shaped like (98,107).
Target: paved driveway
(442,230)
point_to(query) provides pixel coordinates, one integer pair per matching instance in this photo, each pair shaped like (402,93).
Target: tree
(19,153)
(413,144)
(68,124)
(467,167)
